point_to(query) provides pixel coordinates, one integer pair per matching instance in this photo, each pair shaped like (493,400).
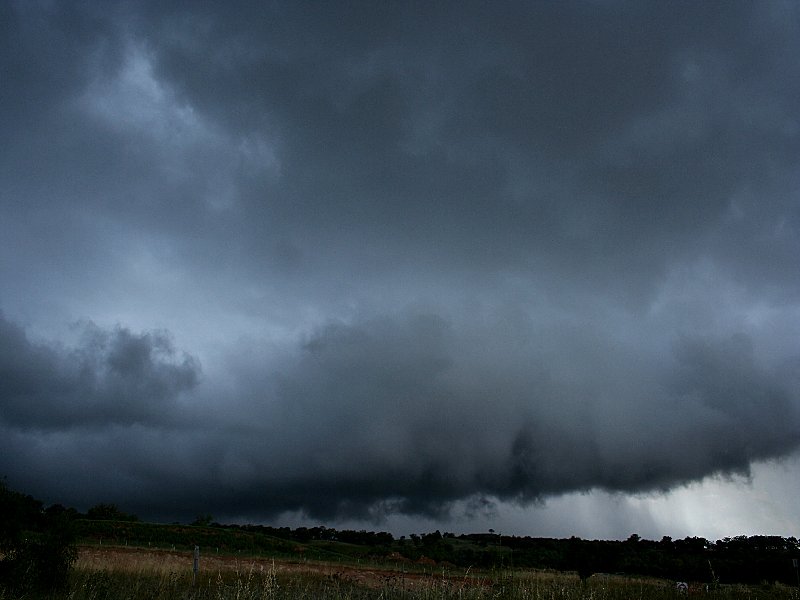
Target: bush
(37,546)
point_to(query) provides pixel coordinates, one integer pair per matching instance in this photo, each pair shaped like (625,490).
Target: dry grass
(110,573)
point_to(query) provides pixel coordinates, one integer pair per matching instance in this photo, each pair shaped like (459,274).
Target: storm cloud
(362,260)
(112,377)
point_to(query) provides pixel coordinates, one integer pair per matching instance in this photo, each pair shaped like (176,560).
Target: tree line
(37,547)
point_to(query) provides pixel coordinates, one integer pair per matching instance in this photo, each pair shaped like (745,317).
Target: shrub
(37,546)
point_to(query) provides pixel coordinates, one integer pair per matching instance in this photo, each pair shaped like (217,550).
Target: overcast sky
(531,266)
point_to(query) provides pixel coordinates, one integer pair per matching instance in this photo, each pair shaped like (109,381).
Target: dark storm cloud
(425,253)
(111,378)
(393,414)
(569,142)
(426,426)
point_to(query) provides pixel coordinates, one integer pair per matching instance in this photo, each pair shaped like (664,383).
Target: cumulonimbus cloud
(110,378)
(425,256)
(399,414)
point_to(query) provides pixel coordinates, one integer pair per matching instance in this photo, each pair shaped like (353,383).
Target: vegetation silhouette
(39,546)
(36,544)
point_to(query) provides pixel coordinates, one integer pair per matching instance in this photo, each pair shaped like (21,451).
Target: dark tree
(200,520)
(37,545)
(109,512)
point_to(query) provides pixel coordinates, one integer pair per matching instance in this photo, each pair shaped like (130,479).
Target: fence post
(195,564)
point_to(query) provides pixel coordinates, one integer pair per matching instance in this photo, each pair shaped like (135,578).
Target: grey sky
(357,262)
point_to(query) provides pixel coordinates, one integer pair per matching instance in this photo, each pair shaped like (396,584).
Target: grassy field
(117,573)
